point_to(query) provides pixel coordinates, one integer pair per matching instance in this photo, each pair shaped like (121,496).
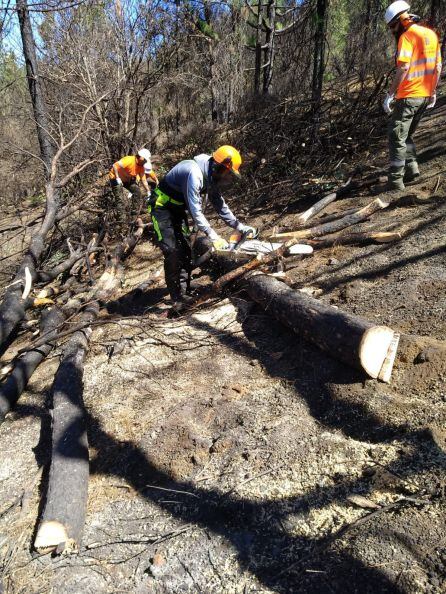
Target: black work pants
(170,225)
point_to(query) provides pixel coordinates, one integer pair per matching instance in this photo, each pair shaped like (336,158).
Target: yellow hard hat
(229,157)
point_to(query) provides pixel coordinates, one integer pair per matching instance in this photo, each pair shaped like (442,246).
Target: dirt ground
(230,456)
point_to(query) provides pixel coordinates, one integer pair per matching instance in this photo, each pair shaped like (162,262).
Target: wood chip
(363,502)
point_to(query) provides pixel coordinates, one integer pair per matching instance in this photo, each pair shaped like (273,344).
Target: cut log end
(374,348)
(386,370)
(52,536)
(28,284)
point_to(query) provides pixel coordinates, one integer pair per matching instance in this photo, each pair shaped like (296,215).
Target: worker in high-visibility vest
(413,90)
(128,172)
(181,192)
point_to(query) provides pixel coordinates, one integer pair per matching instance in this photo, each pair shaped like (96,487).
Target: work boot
(412,172)
(394,182)
(182,304)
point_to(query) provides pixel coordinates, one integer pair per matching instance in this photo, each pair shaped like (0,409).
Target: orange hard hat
(229,157)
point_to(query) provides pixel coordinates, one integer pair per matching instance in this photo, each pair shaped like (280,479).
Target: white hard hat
(145,154)
(395,9)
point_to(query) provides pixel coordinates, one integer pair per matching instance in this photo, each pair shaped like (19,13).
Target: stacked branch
(331,227)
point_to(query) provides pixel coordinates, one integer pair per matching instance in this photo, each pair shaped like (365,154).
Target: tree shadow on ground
(280,561)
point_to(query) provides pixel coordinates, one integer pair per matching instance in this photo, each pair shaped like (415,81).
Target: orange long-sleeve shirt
(128,169)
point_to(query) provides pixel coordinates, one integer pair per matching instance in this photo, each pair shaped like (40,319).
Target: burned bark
(25,366)
(346,337)
(63,518)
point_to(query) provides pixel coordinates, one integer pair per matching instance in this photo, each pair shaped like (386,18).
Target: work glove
(119,180)
(387,103)
(247,230)
(432,102)
(220,243)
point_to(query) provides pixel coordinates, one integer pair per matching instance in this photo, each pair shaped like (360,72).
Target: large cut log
(321,204)
(16,382)
(62,521)
(326,228)
(347,337)
(61,525)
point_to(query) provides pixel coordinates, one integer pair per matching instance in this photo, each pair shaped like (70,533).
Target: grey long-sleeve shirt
(190,177)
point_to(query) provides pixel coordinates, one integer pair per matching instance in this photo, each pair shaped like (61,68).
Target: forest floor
(230,456)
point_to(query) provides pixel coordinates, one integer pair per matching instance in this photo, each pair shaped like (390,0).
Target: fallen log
(62,521)
(25,366)
(324,219)
(331,227)
(349,338)
(354,238)
(61,525)
(321,204)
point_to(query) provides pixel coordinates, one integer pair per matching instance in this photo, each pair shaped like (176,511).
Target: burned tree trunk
(34,85)
(17,381)
(325,228)
(12,309)
(321,19)
(324,202)
(63,518)
(349,338)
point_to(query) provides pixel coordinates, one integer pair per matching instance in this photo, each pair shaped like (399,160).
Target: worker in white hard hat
(413,90)
(127,173)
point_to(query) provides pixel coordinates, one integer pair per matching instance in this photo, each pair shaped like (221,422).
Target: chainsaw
(248,244)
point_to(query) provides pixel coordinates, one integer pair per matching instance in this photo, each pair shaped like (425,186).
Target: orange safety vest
(128,169)
(418,47)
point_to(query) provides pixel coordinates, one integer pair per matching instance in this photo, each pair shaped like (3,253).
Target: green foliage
(37,199)
(207,30)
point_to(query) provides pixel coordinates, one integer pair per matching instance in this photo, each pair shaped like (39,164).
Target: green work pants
(403,122)
(125,209)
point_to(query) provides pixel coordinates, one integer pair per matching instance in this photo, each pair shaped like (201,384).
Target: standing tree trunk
(319,51)
(269,46)
(12,309)
(34,85)
(258,50)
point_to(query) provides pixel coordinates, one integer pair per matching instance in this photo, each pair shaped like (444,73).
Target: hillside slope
(230,456)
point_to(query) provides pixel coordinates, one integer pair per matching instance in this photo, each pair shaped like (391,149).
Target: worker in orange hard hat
(413,90)
(180,192)
(128,172)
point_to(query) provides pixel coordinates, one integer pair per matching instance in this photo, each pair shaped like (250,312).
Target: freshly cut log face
(50,535)
(386,370)
(374,347)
